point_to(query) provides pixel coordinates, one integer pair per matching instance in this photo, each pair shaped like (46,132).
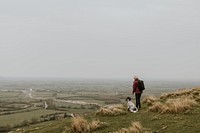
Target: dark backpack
(141,85)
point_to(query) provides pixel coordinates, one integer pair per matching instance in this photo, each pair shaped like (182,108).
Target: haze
(100,39)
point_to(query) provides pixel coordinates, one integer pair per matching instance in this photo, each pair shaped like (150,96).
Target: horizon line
(95,78)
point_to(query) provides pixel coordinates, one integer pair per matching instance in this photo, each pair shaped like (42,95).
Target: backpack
(141,85)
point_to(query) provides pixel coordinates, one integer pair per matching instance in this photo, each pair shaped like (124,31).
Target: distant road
(29,94)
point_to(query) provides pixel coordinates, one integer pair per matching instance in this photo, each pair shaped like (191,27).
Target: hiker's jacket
(135,87)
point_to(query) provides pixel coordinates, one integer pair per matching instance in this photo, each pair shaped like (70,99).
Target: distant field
(20,117)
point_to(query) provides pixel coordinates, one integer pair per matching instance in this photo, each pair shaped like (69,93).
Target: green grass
(185,122)
(19,117)
(42,94)
(9,94)
(180,123)
(48,127)
(175,123)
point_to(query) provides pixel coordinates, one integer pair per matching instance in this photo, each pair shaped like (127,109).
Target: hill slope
(181,121)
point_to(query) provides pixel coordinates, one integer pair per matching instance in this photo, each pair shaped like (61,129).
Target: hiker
(137,91)
(131,106)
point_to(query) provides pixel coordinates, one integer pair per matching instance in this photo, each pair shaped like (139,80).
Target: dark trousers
(137,98)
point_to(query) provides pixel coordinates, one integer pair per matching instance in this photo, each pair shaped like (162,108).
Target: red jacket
(135,87)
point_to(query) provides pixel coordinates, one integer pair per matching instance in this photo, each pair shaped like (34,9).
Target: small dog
(131,106)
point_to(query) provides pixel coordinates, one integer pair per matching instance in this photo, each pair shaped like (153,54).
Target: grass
(192,93)
(81,125)
(9,94)
(58,126)
(134,128)
(173,106)
(112,110)
(180,123)
(177,117)
(150,100)
(176,102)
(17,118)
(180,118)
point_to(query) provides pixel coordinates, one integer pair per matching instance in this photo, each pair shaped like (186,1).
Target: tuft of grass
(81,125)
(112,110)
(95,124)
(194,93)
(174,106)
(156,107)
(135,127)
(149,100)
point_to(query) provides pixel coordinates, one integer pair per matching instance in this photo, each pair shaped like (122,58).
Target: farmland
(23,102)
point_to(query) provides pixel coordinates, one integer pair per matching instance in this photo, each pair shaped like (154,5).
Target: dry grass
(178,101)
(112,110)
(81,125)
(174,106)
(156,107)
(134,128)
(193,93)
(149,100)
(95,124)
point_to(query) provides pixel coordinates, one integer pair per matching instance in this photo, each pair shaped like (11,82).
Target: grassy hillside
(14,119)
(173,112)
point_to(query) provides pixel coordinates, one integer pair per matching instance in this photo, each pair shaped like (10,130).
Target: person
(137,92)
(131,106)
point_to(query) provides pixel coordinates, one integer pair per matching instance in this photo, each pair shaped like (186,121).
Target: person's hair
(128,98)
(135,77)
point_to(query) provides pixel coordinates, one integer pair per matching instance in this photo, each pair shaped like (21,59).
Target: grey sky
(157,39)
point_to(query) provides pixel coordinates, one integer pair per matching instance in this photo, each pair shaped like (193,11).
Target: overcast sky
(158,39)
